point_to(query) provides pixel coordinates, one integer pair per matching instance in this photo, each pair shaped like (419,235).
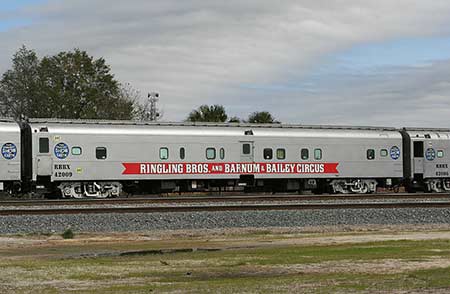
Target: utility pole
(153,113)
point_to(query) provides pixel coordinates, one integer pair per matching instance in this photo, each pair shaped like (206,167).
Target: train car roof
(7,120)
(9,125)
(424,133)
(205,124)
(410,129)
(209,129)
(214,124)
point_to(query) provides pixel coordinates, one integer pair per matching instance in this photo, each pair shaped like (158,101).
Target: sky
(348,62)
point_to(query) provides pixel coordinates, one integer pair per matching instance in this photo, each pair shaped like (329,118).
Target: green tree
(128,93)
(205,113)
(20,85)
(70,85)
(234,119)
(78,86)
(261,117)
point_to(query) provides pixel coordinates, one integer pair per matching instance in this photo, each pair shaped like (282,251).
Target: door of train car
(247,151)
(43,157)
(418,162)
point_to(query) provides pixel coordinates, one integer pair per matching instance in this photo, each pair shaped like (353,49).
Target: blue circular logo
(395,152)
(430,154)
(61,150)
(9,151)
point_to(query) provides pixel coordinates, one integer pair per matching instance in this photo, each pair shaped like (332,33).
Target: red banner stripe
(154,168)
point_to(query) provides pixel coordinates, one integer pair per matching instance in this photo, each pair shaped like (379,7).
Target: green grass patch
(261,270)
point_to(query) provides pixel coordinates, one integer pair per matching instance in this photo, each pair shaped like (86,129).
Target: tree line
(70,85)
(75,85)
(217,113)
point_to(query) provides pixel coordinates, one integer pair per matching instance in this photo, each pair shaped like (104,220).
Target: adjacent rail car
(101,159)
(427,159)
(10,158)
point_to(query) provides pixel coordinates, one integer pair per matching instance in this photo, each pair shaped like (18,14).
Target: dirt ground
(17,251)
(245,237)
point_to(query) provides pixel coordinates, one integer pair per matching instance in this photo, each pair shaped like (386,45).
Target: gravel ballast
(217,203)
(132,222)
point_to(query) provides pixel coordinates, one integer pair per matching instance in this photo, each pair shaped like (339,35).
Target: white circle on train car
(430,154)
(9,151)
(61,150)
(395,152)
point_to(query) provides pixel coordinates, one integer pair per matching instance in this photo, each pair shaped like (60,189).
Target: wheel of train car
(364,188)
(16,188)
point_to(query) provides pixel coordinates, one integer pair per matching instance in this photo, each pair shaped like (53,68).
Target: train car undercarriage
(108,189)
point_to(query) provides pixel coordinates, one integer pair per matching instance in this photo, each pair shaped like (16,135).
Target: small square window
(210,153)
(163,153)
(281,153)
(246,149)
(317,154)
(370,154)
(383,152)
(440,153)
(76,151)
(268,153)
(222,153)
(100,153)
(304,153)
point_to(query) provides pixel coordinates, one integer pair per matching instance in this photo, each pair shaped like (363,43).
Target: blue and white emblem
(430,154)
(395,152)
(9,151)
(61,150)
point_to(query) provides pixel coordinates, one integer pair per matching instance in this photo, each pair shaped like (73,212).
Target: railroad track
(212,208)
(212,199)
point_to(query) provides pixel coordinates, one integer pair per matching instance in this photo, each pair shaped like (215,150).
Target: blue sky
(322,61)
(397,52)
(365,59)
(10,8)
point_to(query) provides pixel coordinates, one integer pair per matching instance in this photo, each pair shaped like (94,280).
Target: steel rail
(203,199)
(215,208)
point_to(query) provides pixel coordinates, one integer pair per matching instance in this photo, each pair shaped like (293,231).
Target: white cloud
(196,52)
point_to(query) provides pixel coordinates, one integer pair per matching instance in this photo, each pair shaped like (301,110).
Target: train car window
(163,153)
(370,154)
(222,153)
(100,153)
(182,153)
(44,145)
(418,149)
(440,153)
(304,154)
(246,149)
(383,152)
(281,153)
(268,153)
(317,154)
(210,153)
(76,151)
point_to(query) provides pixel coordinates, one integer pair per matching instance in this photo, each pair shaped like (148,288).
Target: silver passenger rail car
(102,159)
(10,158)
(427,159)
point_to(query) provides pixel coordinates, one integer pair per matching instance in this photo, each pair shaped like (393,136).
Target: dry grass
(253,261)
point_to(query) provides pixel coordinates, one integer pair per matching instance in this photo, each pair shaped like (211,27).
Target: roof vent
(427,136)
(248,133)
(43,129)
